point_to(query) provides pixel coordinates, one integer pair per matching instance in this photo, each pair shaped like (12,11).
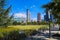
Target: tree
(4,14)
(54,6)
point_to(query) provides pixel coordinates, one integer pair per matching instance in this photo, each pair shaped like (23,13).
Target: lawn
(29,27)
(21,27)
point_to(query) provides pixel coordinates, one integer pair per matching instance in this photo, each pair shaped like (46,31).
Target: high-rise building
(45,17)
(28,15)
(38,17)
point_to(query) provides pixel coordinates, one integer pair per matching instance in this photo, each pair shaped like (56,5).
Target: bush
(34,32)
(16,23)
(30,32)
(14,35)
(27,32)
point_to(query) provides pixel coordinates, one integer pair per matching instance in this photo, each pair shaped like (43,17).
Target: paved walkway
(43,36)
(51,31)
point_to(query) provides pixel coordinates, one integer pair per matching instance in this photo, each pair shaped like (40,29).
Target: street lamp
(49,12)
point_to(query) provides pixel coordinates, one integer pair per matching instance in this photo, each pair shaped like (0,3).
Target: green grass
(20,27)
(29,27)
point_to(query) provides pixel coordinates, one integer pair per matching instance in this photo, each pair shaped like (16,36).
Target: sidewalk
(44,36)
(50,39)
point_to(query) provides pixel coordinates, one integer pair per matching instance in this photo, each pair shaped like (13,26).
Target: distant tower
(28,16)
(38,17)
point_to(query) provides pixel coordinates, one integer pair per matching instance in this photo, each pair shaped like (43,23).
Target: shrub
(13,35)
(34,32)
(30,32)
(27,32)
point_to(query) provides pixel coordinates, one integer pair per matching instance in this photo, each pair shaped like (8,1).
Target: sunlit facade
(28,16)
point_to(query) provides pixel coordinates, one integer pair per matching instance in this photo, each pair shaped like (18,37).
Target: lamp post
(49,12)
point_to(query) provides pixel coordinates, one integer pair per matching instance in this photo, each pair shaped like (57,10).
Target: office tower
(38,17)
(28,15)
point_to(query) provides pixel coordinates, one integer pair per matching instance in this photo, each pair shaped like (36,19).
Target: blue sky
(35,6)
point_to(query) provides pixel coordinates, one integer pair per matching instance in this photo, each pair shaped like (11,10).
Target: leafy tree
(4,14)
(54,6)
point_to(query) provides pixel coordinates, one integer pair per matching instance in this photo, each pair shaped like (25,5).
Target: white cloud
(19,15)
(33,6)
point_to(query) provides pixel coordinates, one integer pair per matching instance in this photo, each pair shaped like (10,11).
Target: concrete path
(52,31)
(43,36)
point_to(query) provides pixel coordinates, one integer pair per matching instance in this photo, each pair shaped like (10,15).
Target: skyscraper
(28,15)
(38,17)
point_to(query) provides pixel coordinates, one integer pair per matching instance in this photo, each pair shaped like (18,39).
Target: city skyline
(19,7)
